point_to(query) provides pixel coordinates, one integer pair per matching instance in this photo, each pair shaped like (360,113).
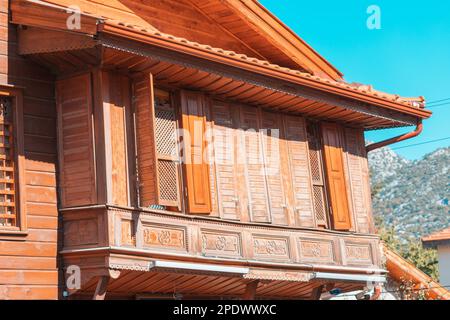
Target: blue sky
(409,55)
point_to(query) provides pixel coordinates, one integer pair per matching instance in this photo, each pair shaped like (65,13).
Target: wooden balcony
(106,239)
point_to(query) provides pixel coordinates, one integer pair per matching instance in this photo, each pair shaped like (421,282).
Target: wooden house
(181,148)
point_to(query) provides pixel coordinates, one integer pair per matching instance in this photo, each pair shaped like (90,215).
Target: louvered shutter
(271,139)
(250,145)
(358,176)
(194,144)
(317,175)
(225,163)
(156,138)
(77,163)
(334,164)
(295,131)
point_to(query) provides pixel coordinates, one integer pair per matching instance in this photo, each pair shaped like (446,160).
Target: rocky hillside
(412,196)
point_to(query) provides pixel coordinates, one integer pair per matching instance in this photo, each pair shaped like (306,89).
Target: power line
(421,143)
(438,105)
(438,101)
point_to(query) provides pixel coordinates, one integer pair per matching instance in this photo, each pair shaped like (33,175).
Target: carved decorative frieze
(216,243)
(80,232)
(316,250)
(269,247)
(164,237)
(277,275)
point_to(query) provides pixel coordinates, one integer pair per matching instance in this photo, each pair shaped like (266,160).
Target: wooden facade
(159,164)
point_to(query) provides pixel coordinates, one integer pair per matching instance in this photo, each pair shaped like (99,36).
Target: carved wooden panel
(266,247)
(164,237)
(318,251)
(128,235)
(157,232)
(216,243)
(80,232)
(356,253)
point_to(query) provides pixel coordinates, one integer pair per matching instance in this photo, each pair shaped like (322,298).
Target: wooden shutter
(156,137)
(225,161)
(334,164)
(252,151)
(142,101)
(317,174)
(8,210)
(295,132)
(359,178)
(75,139)
(196,169)
(166,150)
(271,142)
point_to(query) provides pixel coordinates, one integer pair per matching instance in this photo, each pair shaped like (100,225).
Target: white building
(441,241)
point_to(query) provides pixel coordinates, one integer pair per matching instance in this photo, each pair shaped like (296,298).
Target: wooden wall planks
(28,263)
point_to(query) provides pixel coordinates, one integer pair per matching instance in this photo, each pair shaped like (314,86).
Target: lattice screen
(316,165)
(166,150)
(7,194)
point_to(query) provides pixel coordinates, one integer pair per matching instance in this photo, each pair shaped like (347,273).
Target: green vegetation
(411,250)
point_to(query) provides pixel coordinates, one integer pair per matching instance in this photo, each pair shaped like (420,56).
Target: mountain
(412,196)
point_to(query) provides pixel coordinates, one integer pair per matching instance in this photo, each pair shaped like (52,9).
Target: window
(12,218)
(159,153)
(328,178)
(319,193)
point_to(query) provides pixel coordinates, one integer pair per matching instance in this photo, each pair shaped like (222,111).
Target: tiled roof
(442,235)
(401,270)
(368,90)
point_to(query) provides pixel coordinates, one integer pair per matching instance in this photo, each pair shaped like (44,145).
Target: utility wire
(438,105)
(421,143)
(438,101)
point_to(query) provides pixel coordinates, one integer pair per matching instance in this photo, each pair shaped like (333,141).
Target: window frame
(16,95)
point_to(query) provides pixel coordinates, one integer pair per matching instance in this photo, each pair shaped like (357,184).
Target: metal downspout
(402,137)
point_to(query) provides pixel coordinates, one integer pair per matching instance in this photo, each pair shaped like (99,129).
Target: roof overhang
(308,95)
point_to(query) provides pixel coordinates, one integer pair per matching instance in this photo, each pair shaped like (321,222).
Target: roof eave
(308,81)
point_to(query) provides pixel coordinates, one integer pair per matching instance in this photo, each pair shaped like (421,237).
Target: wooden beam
(250,290)
(317,292)
(100,290)
(103,281)
(36,40)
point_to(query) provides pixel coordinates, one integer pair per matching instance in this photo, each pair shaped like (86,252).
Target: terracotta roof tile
(365,89)
(401,270)
(442,235)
